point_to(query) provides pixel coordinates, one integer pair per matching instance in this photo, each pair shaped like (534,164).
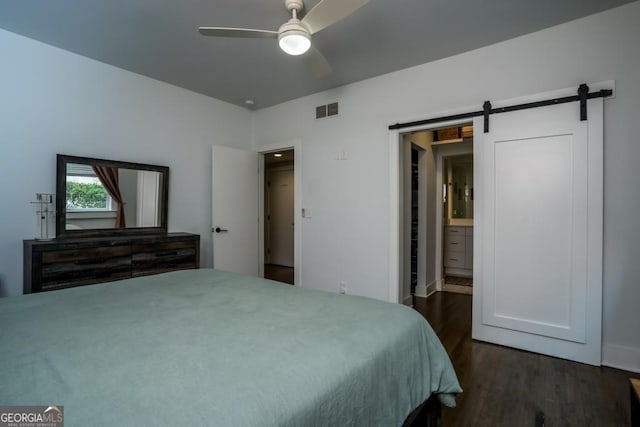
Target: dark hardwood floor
(508,387)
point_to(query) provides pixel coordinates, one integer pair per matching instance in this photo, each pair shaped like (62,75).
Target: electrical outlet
(343,288)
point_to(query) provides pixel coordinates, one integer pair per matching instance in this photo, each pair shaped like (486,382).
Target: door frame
(296,146)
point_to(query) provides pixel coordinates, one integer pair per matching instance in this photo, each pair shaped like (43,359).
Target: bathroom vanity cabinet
(458,250)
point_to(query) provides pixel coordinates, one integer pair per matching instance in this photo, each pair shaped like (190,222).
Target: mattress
(206,347)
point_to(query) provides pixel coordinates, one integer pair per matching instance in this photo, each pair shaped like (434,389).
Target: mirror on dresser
(105,197)
(111,225)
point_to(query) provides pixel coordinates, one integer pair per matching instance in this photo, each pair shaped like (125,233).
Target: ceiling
(160,39)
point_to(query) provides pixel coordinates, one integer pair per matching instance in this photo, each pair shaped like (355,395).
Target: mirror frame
(61,197)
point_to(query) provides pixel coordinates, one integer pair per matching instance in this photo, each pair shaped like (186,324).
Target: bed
(206,347)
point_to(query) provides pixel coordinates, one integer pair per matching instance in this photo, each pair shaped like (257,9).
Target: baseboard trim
(408,301)
(432,288)
(621,357)
(425,291)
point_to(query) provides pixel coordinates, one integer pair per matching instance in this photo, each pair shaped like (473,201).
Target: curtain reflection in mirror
(109,179)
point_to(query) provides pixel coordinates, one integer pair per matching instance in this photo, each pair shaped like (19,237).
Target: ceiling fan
(294,36)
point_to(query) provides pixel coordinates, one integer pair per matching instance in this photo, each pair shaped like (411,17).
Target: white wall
(347,239)
(54,101)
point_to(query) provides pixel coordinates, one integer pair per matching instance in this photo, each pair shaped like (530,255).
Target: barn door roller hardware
(582,96)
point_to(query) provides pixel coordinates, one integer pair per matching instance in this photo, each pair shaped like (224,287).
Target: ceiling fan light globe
(294,42)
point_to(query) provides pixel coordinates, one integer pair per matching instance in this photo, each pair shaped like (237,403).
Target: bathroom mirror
(458,196)
(107,197)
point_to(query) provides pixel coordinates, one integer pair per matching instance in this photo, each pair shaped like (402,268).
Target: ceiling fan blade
(328,12)
(316,63)
(238,32)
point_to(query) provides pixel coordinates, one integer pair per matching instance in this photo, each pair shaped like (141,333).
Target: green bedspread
(205,347)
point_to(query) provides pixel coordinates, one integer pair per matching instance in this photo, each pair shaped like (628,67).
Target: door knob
(220,230)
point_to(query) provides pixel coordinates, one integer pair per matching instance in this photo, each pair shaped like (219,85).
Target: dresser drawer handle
(453,243)
(165,253)
(453,259)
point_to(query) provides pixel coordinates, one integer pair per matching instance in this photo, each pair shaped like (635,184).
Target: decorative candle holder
(46,214)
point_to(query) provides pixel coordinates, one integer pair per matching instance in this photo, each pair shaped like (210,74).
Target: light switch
(306,213)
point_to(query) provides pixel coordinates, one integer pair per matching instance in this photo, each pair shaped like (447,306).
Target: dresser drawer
(75,267)
(455,231)
(454,243)
(454,260)
(162,257)
(64,263)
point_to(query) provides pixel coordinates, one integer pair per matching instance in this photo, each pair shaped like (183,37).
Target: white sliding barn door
(234,210)
(538,252)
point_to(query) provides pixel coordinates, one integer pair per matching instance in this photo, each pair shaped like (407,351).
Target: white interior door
(280,217)
(538,234)
(234,210)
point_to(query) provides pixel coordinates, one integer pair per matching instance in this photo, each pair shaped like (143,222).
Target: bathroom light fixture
(277,155)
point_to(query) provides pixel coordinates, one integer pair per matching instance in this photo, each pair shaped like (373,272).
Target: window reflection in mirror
(95,197)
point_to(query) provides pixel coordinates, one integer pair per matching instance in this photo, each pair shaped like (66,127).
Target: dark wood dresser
(65,263)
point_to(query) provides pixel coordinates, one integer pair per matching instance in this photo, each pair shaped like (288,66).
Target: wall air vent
(328,110)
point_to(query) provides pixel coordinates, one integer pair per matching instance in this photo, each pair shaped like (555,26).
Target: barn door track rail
(582,96)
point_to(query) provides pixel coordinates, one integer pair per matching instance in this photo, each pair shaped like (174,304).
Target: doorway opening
(279,214)
(436,211)
(457,220)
